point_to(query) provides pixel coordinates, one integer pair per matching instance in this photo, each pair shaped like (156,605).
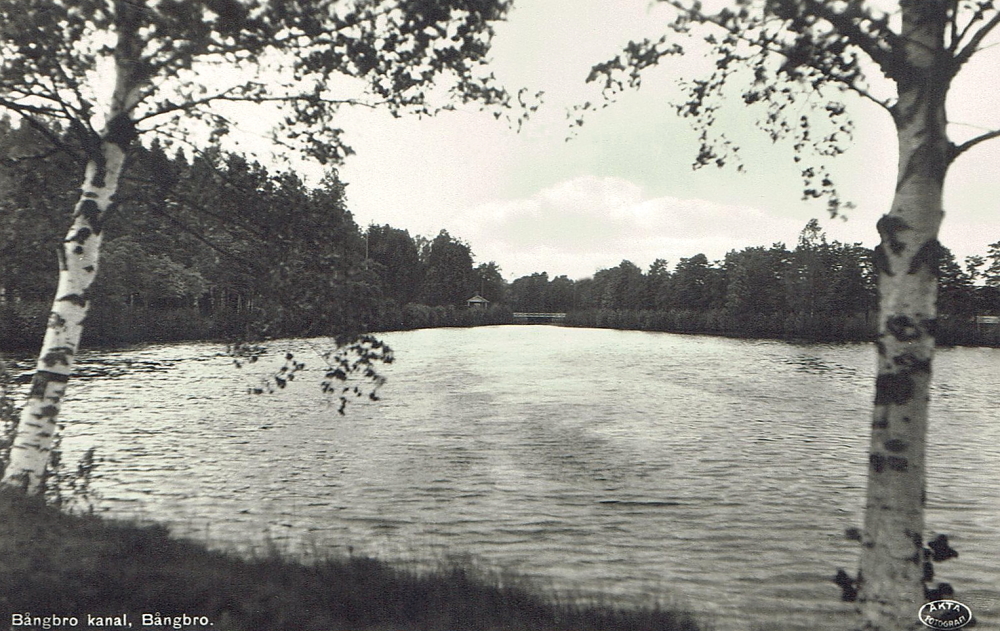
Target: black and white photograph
(499,315)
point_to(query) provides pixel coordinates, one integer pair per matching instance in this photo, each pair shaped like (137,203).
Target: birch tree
(92,76)
(812,53)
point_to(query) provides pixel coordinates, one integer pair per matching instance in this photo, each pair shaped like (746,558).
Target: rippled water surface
(645,466)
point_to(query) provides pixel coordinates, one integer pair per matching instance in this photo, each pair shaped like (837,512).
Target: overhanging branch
(958,150)
(250,263)
(229,96)
(864,93)
(42,128)
(846,25)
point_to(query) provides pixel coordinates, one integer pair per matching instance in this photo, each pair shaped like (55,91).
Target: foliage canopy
(188,58)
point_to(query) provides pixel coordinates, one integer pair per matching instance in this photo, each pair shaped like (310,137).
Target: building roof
(477,298)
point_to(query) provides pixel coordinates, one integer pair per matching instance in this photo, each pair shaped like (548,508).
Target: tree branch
(871,97)
(977,38)
(226,95)
(249,263)
(846,26)
(958,150)
(842,23)
(38,156)
(42,128)
(184,201)
(953,27)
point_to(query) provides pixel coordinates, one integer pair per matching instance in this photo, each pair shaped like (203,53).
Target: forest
(819,290)
(217,247)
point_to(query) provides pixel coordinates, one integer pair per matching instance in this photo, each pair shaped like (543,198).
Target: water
(644,466)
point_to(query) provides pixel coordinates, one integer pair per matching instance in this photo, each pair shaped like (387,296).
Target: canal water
(635,467)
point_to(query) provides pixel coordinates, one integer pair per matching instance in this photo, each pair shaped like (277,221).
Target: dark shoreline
(791,327)
(58,564)
(955,334)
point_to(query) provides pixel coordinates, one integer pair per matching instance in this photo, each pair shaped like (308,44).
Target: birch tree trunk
(891,581)
(78,262)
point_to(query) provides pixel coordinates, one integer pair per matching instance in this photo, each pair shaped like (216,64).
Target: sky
(623,186)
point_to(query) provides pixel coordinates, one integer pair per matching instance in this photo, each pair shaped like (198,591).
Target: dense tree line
(215,246)
(819,290)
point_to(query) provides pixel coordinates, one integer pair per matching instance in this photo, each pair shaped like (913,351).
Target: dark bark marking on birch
(56,321)
(41,380)
(78,249)
(38,387)
(880,348)
(881,261)
(897,463)
(912,363)
(121,131)
(930,157)
(877,462)
(92,213)
(81,235)
(100,171)
(89,269)
(89,140)
(929,325)
(941,550)
(882,420)
(60,355)
(55,377)
(925,159)
(895,445)
(76,299)
(905,75)
(903,328)
(47,412)
(889,227)
(929,254)
(848,586)
(893,388)
(56,357)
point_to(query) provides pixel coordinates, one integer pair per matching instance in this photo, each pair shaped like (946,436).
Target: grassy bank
(55,564)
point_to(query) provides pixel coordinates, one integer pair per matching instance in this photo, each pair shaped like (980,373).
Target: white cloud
(623,187)
(578,226)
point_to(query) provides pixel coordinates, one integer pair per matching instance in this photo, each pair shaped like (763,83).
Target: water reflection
(623,463)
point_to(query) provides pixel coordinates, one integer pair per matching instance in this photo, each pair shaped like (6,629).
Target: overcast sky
(623,188)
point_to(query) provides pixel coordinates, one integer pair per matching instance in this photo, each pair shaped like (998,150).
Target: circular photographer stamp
(945,614)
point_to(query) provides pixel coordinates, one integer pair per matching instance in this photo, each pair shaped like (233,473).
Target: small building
(477,302)
(987,323)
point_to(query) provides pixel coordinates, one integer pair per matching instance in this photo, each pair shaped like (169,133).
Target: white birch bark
(78,262)
(891,580)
